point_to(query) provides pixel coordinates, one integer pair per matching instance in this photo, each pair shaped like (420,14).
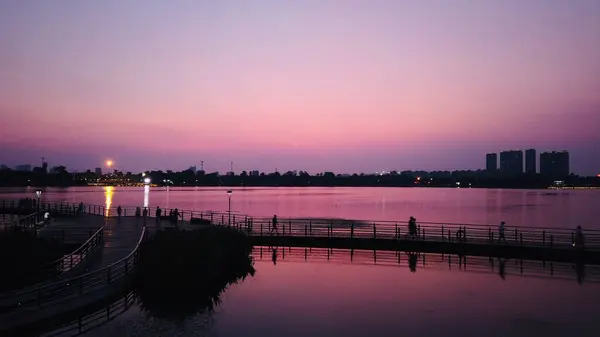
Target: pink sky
(337,85)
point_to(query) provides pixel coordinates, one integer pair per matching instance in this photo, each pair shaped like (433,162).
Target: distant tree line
(59,176)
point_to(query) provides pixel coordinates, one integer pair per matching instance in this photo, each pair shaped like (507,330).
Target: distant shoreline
(550,188)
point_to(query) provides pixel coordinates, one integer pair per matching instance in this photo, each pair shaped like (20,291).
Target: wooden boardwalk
(122,236)
(99,279)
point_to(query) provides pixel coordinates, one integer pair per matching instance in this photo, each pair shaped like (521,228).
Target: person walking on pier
(501,237)
(145,213)
(158,213)
(412,227)
(579,238)
(138,212)
(175,216)
(274,228)
(119,209)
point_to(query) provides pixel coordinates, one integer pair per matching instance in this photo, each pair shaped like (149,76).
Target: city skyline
(365,87)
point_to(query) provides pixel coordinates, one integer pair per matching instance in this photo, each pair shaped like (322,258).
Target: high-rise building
(25,167)
(555,164)
(193,169)
(98,171)
(511,162)
(491,162)
(530,161)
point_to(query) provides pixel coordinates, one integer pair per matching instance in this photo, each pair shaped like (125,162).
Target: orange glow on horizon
(109,163)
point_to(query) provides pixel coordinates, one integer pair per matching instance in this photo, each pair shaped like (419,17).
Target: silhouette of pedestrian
(579,238)
(138,212)
(175,216)
(158,213)
(145,212)
(412,227)
(274,228)
(119,211)
(501,237)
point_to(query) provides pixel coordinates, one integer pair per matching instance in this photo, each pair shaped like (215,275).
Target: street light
(38,193)
(229,192)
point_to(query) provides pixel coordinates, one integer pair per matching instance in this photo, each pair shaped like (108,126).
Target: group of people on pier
(174,214)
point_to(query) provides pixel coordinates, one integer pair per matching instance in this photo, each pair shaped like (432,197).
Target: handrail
(76,257)
(443,231)
(129,210)
(49,292)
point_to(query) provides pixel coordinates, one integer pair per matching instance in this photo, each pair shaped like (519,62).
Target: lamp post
(229,192)
(38,193)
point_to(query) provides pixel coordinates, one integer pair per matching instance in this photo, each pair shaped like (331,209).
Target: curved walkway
(115,259)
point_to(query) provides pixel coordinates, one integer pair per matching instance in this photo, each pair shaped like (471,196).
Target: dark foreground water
(542,208)
(320,292)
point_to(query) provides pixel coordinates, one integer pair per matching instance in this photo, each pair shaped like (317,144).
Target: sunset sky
(317,85)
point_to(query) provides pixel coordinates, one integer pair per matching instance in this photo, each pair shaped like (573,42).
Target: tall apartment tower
(511,162)
(530,161)
(491,162)
(555,164)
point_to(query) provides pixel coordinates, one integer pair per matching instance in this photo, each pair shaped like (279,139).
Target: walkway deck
(121,237)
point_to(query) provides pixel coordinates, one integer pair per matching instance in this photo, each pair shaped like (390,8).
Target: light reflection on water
(146,195)
(108,196)
(340,297)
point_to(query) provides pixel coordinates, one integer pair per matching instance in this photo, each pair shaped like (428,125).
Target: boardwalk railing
(73,260)
(27,221)
(363,229)
(86,283)
(72,209)
(95,319)
(426,232)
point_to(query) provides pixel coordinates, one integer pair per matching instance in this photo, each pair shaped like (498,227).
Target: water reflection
(108,195)
(146,195)
(476,264)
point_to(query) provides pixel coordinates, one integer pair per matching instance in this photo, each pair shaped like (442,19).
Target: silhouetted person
(412,262)
(501,237)
(47,217)
(579,239)
(274,256)
(80,209)
(412,227)
(138,212)
(145,212)
(119,210)
(175,216)
(158,213)
(275,222)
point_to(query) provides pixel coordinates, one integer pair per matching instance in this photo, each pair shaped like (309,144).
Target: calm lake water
(567,208)
(305,294)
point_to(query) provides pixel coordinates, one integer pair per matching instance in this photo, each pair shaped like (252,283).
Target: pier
(111,247)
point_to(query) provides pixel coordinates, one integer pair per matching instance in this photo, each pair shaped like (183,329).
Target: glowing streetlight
(38,193)
(229,192)
(147,181)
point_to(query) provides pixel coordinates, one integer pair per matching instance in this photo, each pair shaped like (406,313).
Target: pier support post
(352,231)
(521,237)
(374,232)
(544,237)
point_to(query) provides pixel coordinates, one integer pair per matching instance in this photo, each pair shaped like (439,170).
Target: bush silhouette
(182,273)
